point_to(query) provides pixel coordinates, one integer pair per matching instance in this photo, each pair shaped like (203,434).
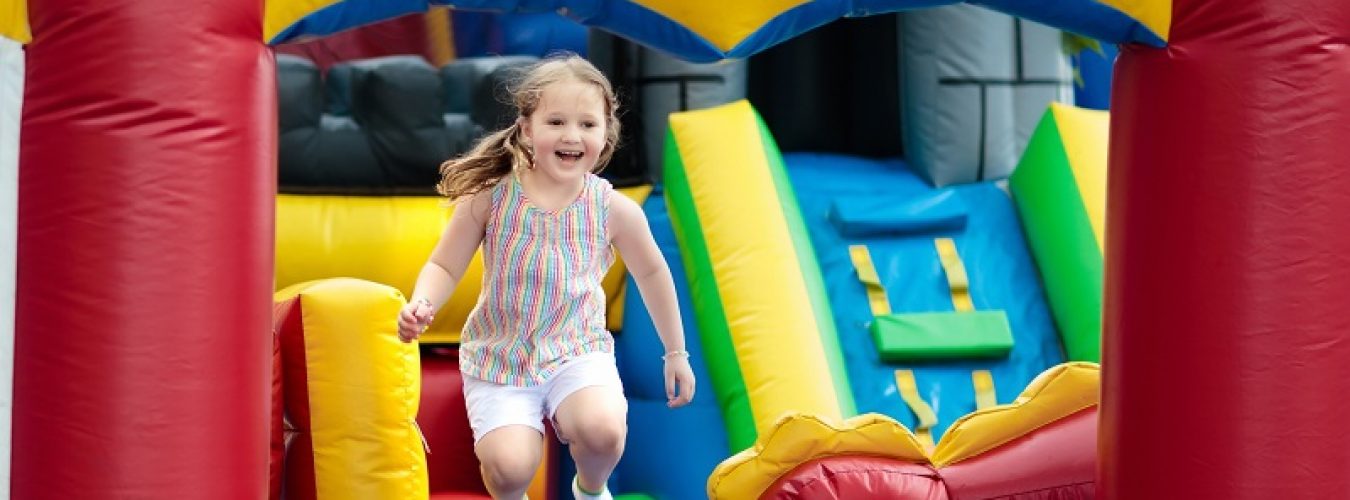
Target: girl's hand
(679,374)
(414,318)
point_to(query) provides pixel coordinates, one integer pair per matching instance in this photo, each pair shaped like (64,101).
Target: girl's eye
(555,122)
(588,124)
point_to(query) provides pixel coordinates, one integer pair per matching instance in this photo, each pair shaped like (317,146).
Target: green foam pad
(942,335)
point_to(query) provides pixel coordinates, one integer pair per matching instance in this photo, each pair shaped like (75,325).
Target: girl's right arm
(445,267)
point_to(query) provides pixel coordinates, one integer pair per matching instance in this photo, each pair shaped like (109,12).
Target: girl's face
(567,130)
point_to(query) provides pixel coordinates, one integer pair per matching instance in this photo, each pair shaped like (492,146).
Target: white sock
(581,495)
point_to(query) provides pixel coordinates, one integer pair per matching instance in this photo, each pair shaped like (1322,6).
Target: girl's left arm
(633,238)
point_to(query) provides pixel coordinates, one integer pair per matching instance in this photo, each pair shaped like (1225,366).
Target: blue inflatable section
(479,34)
(1086,17)
(1001,272)
(670,452)
(1092,85)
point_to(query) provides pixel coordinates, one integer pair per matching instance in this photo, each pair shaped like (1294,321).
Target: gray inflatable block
(974,84)
(460,77)
(338,82)
(298,86)
(706,85)
(460,132)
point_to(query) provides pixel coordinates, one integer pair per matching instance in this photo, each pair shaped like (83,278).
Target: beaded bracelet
(666,356)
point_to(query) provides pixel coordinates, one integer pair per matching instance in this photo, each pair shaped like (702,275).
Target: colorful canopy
(695,30)
(709,30)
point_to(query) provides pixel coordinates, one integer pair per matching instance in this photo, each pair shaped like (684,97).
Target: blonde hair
(493,157)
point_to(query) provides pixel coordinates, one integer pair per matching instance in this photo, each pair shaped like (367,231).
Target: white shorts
(492,406)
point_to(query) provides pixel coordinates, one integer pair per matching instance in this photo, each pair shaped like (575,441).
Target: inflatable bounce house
(923,249)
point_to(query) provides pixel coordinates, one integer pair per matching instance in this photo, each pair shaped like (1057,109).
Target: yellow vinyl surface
(769,314)
(364,386)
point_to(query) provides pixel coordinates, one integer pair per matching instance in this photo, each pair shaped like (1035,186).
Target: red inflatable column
(1227,332)
(146,187)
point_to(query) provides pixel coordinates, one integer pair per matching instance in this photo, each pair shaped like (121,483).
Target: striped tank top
(541,301)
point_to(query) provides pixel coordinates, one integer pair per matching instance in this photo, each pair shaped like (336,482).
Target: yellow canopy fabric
(14,21)
(733,22)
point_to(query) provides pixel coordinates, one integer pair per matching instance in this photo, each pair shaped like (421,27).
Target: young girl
(535,345)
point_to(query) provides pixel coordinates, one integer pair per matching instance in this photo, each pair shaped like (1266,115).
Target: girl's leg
(509,456)
(594,421)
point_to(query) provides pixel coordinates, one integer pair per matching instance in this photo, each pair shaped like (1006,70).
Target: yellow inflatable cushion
(354,389)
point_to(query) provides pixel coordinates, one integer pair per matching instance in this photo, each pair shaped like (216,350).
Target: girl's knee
(603,435)
(509,471)
(509,456)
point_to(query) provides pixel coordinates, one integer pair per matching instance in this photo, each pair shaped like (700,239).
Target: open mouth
(568,156)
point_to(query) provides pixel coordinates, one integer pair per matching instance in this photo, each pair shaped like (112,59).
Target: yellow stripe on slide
(768,309)
(958,282)
(867,274)
(984,389)
(924,415)
(1085,133)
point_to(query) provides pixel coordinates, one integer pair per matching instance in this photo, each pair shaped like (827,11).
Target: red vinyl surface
(300,481)
(1058,461)
(1225,353)
(145,221)
(855,477)
(451,465)
(276,424)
